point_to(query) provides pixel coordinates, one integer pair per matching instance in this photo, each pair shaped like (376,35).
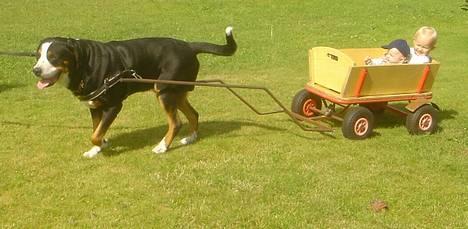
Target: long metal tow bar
(296,118)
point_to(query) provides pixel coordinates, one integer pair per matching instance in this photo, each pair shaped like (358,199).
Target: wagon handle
(241,98)
(316,125)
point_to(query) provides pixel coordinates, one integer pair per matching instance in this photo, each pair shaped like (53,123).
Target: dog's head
(56,57)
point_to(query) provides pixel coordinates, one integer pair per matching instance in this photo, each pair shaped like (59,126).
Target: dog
(86,67)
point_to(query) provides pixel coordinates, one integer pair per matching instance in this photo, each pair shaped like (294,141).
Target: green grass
(246,170)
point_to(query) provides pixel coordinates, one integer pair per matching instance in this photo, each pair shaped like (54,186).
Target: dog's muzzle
(46,80)
(37,71)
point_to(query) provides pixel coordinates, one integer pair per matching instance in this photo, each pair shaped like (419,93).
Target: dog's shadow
(144,137)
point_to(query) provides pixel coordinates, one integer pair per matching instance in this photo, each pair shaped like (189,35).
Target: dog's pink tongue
(42,84)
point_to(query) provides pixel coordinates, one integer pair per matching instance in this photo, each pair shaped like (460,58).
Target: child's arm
(375,61)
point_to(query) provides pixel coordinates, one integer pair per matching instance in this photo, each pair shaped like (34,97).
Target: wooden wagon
(340,77)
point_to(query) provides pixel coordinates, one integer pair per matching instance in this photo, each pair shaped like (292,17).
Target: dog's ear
(72,54)
(39,46)
(73,63)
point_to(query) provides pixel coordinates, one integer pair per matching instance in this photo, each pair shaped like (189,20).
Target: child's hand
(368,60)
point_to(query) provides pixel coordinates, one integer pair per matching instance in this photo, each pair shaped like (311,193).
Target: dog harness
(108,83)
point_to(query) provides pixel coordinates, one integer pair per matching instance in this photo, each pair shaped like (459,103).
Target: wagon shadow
(446,114)
(392,120)
(144,137)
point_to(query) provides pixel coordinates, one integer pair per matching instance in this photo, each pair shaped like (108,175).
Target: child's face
(394,56)
(423,45)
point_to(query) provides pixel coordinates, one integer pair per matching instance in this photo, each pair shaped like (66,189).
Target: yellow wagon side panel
(434,69)
(390,80)
(329,68)
(339,72)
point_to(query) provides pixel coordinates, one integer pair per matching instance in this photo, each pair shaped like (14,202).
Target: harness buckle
(135,75)
(106,85)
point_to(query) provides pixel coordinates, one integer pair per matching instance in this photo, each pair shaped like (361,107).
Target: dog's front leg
(168,102)
(96,116)
(102,120)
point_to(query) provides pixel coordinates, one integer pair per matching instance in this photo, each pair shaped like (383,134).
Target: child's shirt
(415,59)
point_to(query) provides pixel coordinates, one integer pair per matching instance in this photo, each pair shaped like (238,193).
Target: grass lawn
(246,171)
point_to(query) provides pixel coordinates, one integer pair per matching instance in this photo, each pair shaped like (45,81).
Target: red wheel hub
(425,122)
(307,107)
(361,126)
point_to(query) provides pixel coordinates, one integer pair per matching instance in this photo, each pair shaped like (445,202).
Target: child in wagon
(424,41)
(398,53)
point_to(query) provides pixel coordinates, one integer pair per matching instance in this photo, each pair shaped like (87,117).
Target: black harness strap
(107,84)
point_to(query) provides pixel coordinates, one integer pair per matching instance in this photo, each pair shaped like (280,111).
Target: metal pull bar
(317,126)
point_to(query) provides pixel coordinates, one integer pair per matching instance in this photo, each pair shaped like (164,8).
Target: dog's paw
(189,139)
(92,152)
(96,149)
(161,147)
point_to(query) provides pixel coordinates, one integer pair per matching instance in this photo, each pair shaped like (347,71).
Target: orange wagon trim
(361,100)
(423,79)
(360,82)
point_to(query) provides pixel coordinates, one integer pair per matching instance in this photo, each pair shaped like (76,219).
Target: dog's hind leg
(168,101)
(192,116)
(102,120)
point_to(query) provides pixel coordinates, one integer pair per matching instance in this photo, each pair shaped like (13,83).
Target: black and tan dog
(85,67)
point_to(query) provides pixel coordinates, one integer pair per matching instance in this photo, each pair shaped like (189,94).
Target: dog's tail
(222,50)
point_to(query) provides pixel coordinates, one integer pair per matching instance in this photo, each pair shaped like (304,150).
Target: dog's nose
(37,71)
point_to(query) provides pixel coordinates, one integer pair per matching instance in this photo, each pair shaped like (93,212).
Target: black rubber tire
(358,123)
(302,102)
(423,121)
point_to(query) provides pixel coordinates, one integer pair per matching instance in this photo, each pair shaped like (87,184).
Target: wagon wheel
(304,101)
(358,123)
(422,121)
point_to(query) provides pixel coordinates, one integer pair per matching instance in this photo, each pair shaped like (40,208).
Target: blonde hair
(427,31)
